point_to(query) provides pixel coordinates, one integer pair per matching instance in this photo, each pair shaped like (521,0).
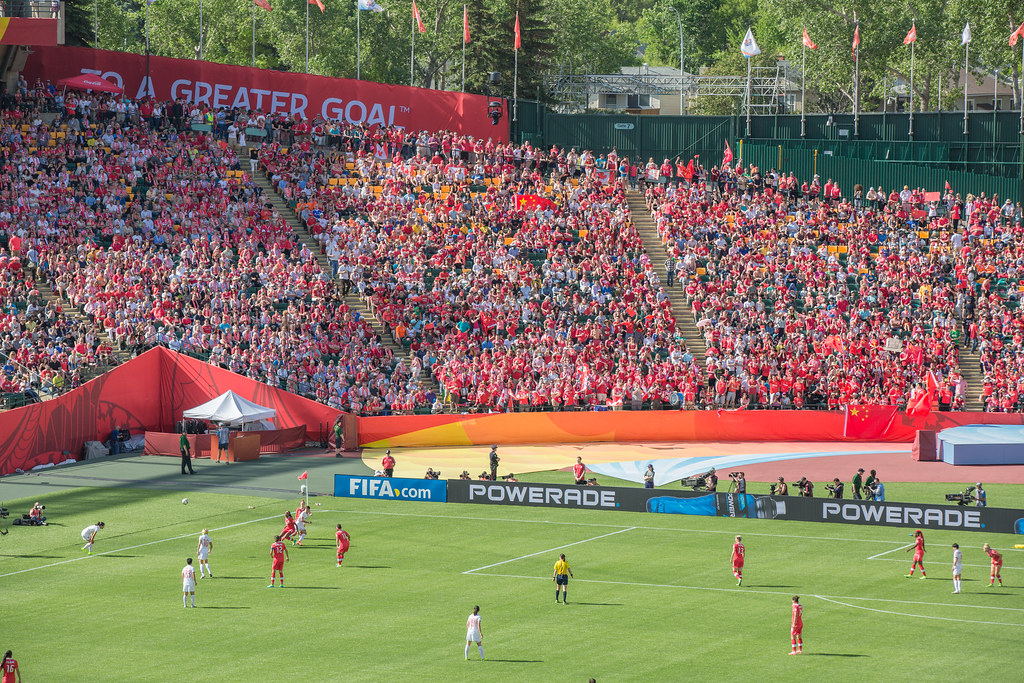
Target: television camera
(698,483)
(963,498)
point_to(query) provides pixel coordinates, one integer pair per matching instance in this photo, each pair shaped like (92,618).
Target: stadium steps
(85,372)
(970,368)
(656,251)
(354,301)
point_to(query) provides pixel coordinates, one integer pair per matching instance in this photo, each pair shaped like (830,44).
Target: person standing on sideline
(979,496)
(387,464)
(739,553)
(115,440)
(918,554)
(223,435)
(9,668)
(279,555)
(561,578)
(858,482)
(493,461)
(474,634)
(339,437)
(796,631)
(203,554)
(343,543)
(188,583)
(997,564)
(579,471)
(186,454)
(957,567)
(649,477)
(89,535)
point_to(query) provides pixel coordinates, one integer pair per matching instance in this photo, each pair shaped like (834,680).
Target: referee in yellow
(561,578)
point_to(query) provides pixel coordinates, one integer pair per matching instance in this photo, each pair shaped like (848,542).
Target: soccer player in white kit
(89,535)
(301,516)
(188,583)
(957,567)
(473,632)
(203,554)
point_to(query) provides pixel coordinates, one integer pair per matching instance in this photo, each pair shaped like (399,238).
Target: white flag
(966,37)
(749,47)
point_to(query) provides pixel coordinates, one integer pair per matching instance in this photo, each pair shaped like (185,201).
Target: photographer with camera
(780,489)
(35,515)
(738,483)
(711,481)
(806,487)
(835,489)
(979,496)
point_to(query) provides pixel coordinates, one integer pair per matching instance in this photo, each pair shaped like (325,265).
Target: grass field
(653,599)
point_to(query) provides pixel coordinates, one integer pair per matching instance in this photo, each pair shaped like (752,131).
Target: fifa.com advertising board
(432,490)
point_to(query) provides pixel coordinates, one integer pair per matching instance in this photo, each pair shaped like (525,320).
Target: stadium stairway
(86,372)
(354,301)
(970,368)
(656,251)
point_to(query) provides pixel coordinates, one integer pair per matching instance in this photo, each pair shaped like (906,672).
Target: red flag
(319,4)
(519,38)
(304,475)
(919,404)
(911,35)
(867,422)
(856,41)
(419,20)
(948,186)
(688,171)
(264,4)
(465,24)
(1016,35)
(727,156)
(808,42)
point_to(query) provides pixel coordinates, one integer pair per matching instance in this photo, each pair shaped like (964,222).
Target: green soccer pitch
(654,598)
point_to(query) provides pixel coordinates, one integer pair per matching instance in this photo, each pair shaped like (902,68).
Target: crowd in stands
(512,276)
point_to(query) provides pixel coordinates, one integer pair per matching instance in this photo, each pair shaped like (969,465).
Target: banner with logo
(548,495)
(433,490)
(278,92)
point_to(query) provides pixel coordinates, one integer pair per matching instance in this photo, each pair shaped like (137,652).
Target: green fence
(878,151)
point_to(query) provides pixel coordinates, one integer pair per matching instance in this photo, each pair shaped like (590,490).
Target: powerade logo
(390,489)
(526,494)
(902,515)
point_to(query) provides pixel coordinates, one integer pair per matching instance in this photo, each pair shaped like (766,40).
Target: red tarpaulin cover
(89,82)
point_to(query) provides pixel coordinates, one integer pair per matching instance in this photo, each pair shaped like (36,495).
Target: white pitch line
(131,547)
(915,616)
(765,592)
(946,564)
(549,550)
(902,547)
(619,526)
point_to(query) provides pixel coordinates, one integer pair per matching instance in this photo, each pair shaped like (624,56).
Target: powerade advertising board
(346,486)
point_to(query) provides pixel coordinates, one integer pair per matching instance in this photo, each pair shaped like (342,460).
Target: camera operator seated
(35,515)
(465,475)
(592,482)
(510,477)
(835,488)
(431,474)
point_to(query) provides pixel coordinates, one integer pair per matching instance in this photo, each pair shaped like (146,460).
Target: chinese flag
(465,24)
(948,186)
(304,475)
(920,405)
(856,41)
(867,422)
(727,156)
(519,38)
(319,4)
(1016,35)
(688,171)
(264,4)
(911,36)
(419,20)
(808,42)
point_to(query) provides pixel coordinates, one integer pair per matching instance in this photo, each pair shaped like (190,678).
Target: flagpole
(748,97)
(200,30)
(856,92)
(465,21)
(307,37)
(967,57)
(358,46)
(803,93)
(1020,92)
(254,34)
(515,90)
(96,24)
(412,52)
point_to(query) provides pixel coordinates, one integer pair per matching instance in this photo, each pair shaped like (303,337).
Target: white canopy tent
(231,409)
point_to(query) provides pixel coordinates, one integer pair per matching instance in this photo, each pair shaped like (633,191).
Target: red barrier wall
(28,31)
(224,85)
(625,426)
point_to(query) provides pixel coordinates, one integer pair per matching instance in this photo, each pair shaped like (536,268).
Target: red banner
(278,92)
(14,31)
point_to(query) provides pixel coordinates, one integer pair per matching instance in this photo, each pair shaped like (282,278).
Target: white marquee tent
(231,409)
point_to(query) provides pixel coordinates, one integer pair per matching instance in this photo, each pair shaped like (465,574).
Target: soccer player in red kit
(288,532)
(918,554)
(279,555)
(9,668)
(343,542)
(738,553)
(997,564)
(797,629)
